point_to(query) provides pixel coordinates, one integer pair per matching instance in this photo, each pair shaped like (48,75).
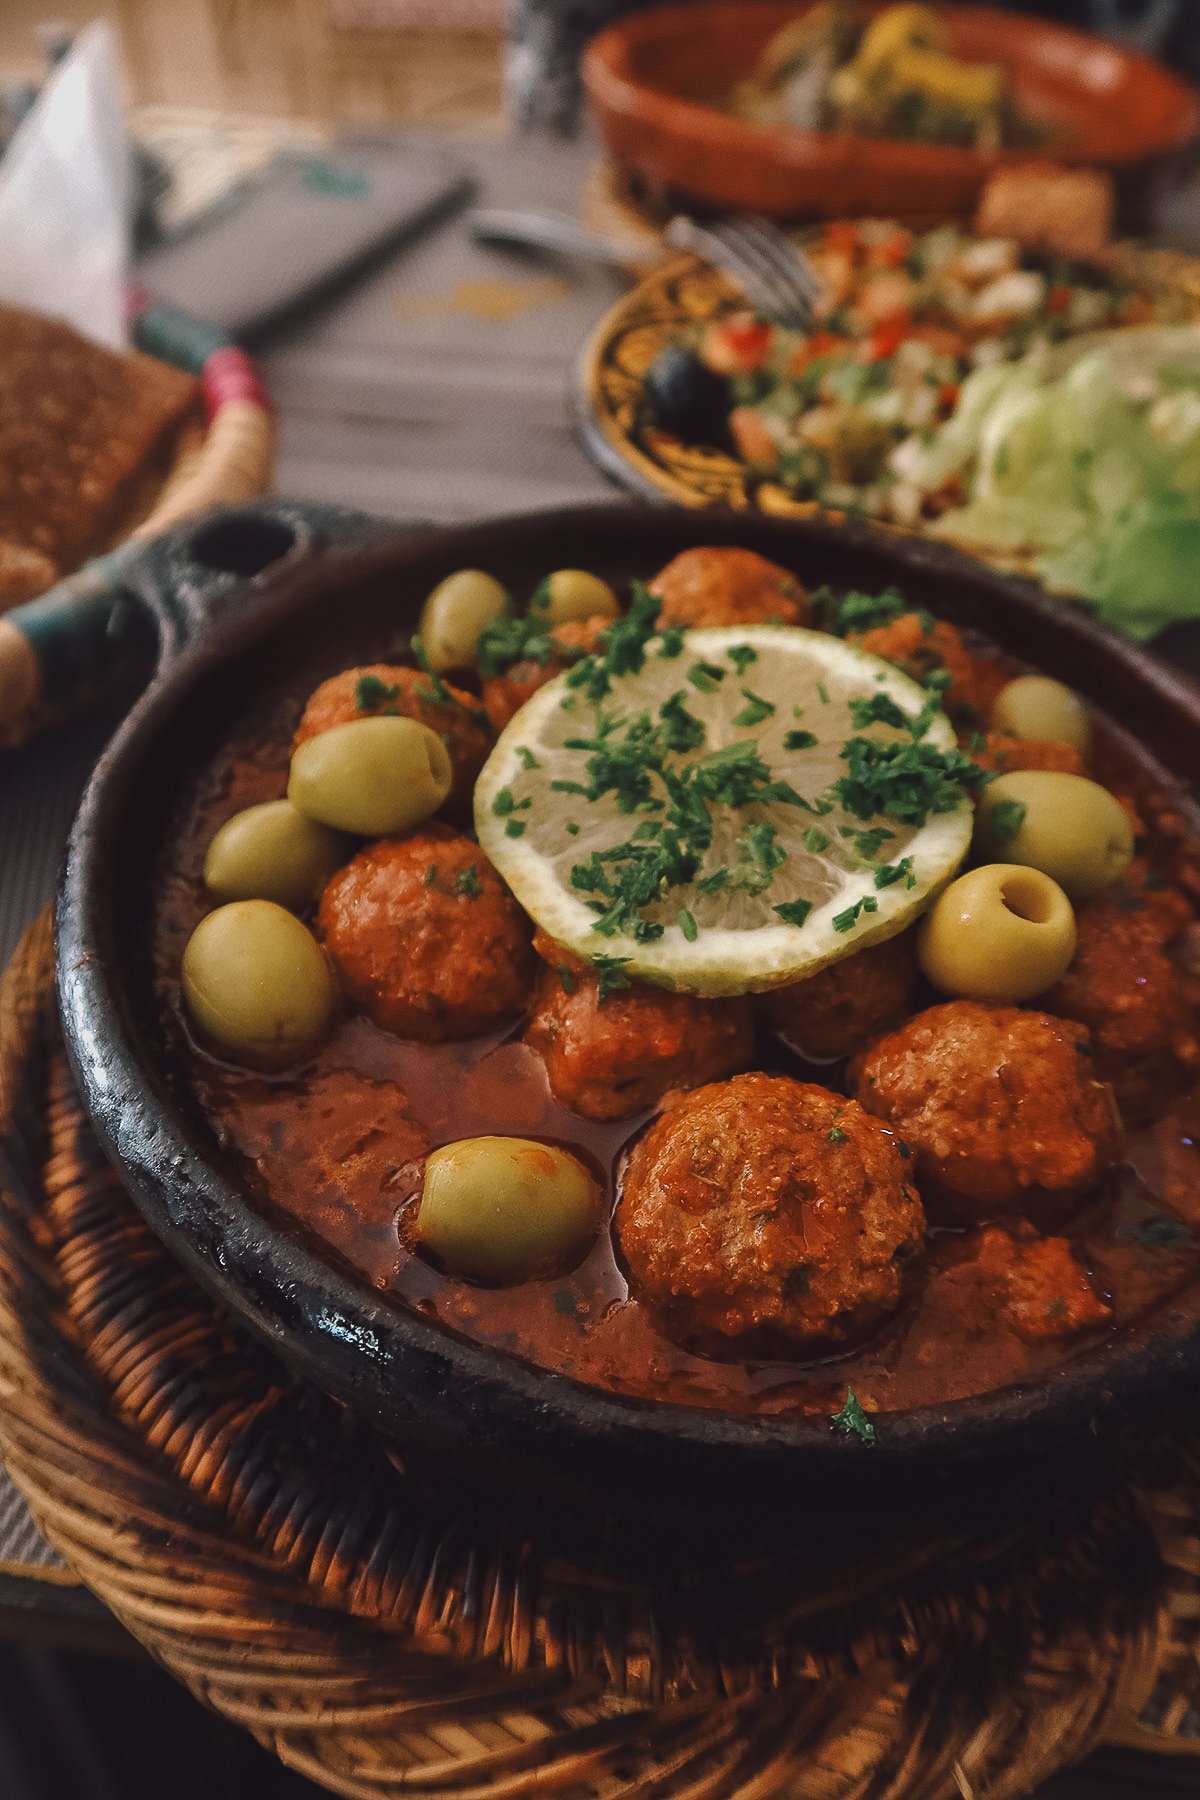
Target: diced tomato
(820,344)
(1058,299)
(737,346)
(886,338)
(754,442)
(843,236)
(890,252)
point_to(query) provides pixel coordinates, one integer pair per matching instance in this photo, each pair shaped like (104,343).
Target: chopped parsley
(856,612)
(759,855)
(514,828)
(622,648)
(907,779)
(794,912)
(370,693)
(880,709)
(852,1421)
(688,925)
(846,921)
(506,802)
(800,740)
(467,882)
(838,1136)
(610,976)
(741,656)
(526,758)
(705,676)
(505,642)
(891,873)
(822,693)
(816,840)
(868,844)
(431,875)
(755,711)
(437,691)
(1005,819)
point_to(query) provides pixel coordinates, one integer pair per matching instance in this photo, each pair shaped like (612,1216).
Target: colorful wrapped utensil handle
(56,651)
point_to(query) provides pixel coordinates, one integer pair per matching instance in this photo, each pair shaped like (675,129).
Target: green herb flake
(794,912)
(437,691)
(370,693)
(572,828)
(838,1136)
(706,676)
(468,883)
(879,709)
(822,693)
(514,828)
(800,740)
(891,873)
(688,925)
(755,711)
(855,612)
(568,977)
(816,840)
(1005,819)
(431,875)
(1162,1232)
(610,976)
(741,656)
(852,1421)
(526,758)
(846,921)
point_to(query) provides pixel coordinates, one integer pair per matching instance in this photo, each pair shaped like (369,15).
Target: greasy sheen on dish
(960,1150)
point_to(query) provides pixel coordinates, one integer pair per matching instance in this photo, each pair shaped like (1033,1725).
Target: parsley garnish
(610,976)
(856,612)
(759,855)
(868,844)
(838,1136)
(505,642)
(526,758)
(891,873)
(816,840)
(437,691)
(1005,819)
(822,693)
(799,740)
(431,875)
(880,709)
(741,656)
(688,925)
(794,912)
(905,778)
(370,693)
(846,921)
(706,675)
(468,883)
(755,711)
(852,1421)
(506,802)
(514,828)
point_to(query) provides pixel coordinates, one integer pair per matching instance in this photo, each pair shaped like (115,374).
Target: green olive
(272,852)
(574,594)
(455,614)
(257,985)
(1003,932)
(506,1209)
(1034,706)
(1069,827)
(371,776)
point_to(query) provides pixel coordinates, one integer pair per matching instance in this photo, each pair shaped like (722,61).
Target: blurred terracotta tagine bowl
(708,1012)
(663,86)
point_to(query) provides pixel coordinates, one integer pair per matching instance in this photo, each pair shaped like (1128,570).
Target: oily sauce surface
(337,1146)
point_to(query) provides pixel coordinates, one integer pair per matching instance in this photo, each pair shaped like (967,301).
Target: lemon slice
(704,819)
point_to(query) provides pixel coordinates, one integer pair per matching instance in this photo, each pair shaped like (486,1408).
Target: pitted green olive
(256,984)
(272,852)
(1035,706)
(574,594)
(1071,828)
(454,615)
(374,777)
(506,1209)
(1003,932)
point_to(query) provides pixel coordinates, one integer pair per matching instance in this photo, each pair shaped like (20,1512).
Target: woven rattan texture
(279,1561)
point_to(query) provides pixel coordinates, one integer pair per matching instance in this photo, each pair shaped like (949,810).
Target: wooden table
(435,388)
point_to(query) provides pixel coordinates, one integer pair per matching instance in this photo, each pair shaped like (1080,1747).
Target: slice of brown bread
(76,421)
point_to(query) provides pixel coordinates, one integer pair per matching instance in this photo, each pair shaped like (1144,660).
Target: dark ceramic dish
(336,589)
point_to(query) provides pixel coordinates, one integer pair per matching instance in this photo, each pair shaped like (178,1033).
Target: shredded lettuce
(1085,458)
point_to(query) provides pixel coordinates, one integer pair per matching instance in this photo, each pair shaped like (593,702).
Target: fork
(773,272)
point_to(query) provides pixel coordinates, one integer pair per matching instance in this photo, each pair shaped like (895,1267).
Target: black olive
(687,398)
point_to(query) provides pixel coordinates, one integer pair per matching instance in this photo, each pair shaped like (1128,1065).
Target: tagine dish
(720,993)
(1038,409)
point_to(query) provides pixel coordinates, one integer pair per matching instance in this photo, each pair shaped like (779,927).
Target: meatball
(920,645)
(1040,1288)
(1006,754)
(835,1012)
(768,1217)
(1001,1107)
(1138,1003)
(728,587)
(608,1058)
(382,688)
(426,937)
(504,695)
